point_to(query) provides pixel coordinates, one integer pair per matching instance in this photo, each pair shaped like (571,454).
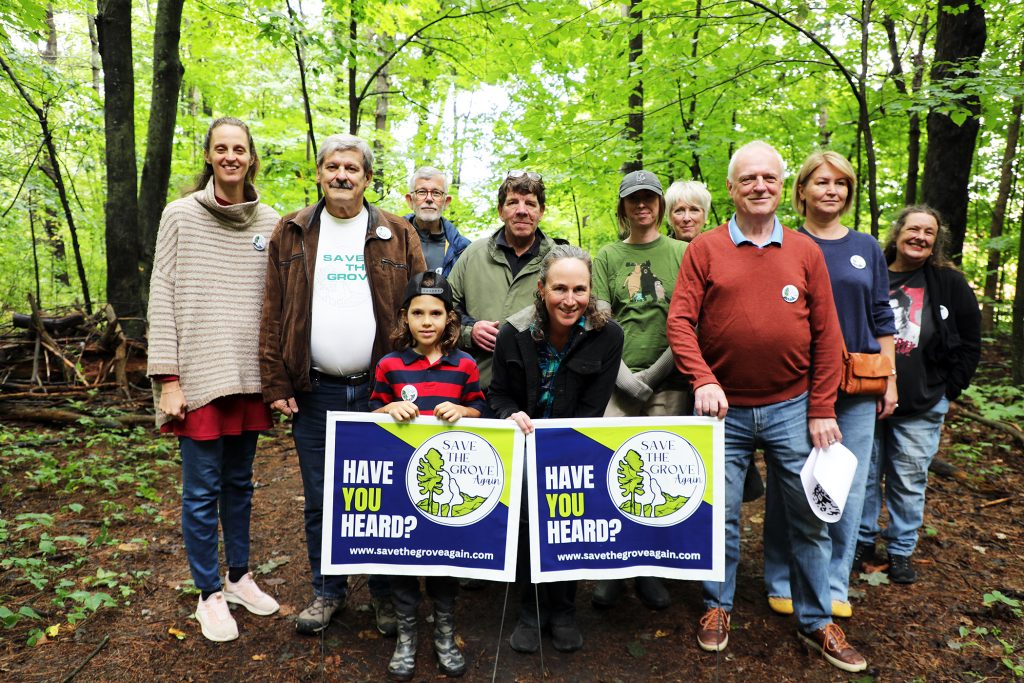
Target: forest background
(104,106)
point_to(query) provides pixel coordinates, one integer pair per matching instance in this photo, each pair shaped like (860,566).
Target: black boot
(403,661)
(449,657)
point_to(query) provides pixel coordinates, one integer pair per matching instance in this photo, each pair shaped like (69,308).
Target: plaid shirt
(549,359)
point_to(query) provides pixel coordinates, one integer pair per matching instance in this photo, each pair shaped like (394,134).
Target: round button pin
(259,243)
(409,393)
(790,294)
(383,232)
(858,262)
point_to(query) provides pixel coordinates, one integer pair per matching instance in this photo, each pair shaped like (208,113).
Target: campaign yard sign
(623,497)
(421,498)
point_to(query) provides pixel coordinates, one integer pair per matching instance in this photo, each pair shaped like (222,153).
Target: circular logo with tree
(455,478)
(657,478)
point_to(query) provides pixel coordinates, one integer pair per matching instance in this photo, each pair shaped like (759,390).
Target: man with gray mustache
(336,278)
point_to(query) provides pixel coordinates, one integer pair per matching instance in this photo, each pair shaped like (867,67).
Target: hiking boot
(566,637)
(247,594)
(403,661)
(525,638)
(780,605)
(864,554)
(900,570)
(384,615)
(713,634)
(652,592)
(450,659)
(841,609)
(318,614)
(607,592)
(830,641)
(215,619)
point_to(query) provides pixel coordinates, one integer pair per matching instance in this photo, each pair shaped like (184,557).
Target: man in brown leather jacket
(336,279)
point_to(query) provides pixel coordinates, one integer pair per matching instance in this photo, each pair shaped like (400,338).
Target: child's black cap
(435,285)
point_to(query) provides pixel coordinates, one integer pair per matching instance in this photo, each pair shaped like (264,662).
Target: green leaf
(874,578)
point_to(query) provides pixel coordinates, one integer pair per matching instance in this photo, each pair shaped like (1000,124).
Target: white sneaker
(215,618)
(247,594)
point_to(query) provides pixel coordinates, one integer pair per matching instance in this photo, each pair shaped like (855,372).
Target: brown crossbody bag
(865,373)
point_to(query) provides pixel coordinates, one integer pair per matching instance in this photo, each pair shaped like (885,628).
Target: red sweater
(730,322)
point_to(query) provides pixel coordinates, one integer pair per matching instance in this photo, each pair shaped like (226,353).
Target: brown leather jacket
(287,306)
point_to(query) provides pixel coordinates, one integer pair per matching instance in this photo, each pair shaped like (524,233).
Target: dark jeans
(405,593)
(216,473)
(309,427)
(557,599)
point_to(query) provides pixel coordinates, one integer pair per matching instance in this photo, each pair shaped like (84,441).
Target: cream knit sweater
(206,295)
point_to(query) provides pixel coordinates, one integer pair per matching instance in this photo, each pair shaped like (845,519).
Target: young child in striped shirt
(427,375)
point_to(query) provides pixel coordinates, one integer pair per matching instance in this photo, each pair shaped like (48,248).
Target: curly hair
(539,326)
(938,257)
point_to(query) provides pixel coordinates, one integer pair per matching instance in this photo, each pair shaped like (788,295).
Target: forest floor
(94,584)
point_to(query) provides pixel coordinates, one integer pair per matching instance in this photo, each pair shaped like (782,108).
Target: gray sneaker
(318,614)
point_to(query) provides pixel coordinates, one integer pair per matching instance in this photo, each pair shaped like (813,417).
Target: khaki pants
(663,402)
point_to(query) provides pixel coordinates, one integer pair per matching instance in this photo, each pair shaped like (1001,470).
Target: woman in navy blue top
(822,194)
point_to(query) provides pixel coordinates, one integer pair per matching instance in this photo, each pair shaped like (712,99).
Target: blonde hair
(811,164)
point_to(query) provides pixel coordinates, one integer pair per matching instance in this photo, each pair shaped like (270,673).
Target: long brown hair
(539,328)
(207,172)
(938,257)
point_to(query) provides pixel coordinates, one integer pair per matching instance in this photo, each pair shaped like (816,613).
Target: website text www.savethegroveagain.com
(419,553)
(624,555)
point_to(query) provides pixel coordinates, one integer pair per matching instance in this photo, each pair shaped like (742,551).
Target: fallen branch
(57,325)
(1010,429)
(57,416)
(49,344)
(32,391)
(106,639)
(997,501)
(948,470)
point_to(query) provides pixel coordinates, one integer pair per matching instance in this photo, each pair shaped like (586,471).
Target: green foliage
(998,401)
(428,477)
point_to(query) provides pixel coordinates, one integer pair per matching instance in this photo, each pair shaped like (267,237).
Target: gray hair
(343,142)
(689,191)
(426,173)
(756,144)
(597,318)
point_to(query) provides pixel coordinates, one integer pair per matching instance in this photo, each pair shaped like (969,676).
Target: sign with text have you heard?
(621,497)
(421,498)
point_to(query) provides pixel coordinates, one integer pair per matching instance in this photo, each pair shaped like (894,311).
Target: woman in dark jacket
(938,345)
(557,359)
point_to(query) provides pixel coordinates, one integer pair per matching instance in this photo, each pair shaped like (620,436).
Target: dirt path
(936,629)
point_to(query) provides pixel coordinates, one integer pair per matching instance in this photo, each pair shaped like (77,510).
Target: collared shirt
(739,238)
(549,360)
(408,376)
(516,262)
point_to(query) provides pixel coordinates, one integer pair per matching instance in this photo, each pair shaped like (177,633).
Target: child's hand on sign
(402,411)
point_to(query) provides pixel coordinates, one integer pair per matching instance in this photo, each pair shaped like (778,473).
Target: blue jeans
(216,473)
(780,429)
(904,448)
(856,418)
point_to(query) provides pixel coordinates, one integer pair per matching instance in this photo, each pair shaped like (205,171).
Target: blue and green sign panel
(421,498)
(623,497)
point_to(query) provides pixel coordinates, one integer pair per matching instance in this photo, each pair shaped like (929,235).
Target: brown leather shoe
(830,641)
(713,634)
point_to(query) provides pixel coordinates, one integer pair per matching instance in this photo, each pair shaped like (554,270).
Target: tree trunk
(124,285)
(1017,338)
(999,215)
(94,53)
(163,112)
(380,116)
(959,41)
(635,106)
(914,118)
(300,60)
(57,177)
(49,53)
(353,95)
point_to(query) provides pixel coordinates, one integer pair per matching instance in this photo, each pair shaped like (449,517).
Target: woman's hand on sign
(523,420)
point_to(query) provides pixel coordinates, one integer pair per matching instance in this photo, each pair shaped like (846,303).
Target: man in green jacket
(497,277)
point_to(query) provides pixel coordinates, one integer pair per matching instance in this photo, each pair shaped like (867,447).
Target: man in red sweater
(753,327)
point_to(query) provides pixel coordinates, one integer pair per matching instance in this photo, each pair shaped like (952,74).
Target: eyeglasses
(421,194)
(535,177)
